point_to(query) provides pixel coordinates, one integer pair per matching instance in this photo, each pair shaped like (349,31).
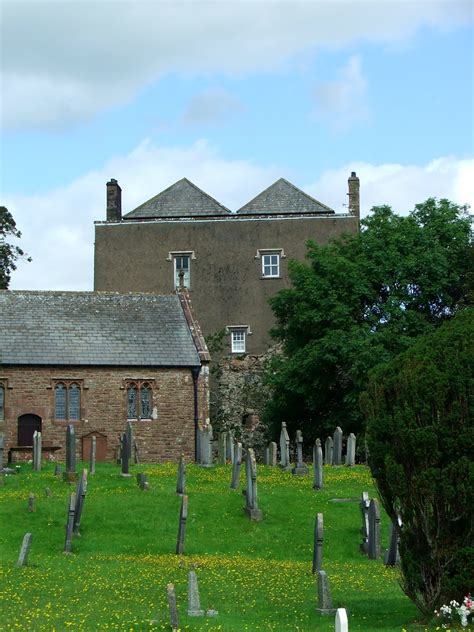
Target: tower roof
(283,197)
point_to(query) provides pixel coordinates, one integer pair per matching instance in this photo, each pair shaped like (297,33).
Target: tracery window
(139,400)
(67,401)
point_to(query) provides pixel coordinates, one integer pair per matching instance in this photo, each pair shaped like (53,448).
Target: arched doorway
(27,424)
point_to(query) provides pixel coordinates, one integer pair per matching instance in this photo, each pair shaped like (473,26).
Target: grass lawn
(257,575)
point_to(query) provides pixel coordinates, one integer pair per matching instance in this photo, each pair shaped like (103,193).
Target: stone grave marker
(318,543)
(273,453)
(284,448)
(31,503)
(194,603)
(317,465)
(374,530)
(328,451)
(351,449)
(236,463)
(324,595)
(266,455)
(181,478)
(183,515)
(221,448)
(37,446)
(337,453)
(70,475)
(70,523)
(230,444)
(57,470)
(205,444)
(392,557)
(125,456)
(300,469)
(93,455)
(25,549)
(251,506)
(81,491)
(130,440)
(342,624)
(171,595)
(142,481)
(364,510)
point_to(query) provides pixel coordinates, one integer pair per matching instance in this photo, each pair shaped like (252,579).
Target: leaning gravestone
(374,530)
(183,515)
(70,523)
(181,478)
(391,557)
(318,543)
(25,549)
(342,624)
(37,445)
(328,451)
(194,603)
(300,469)
(92,455)
(364,510)
(171,595)
(351,449)
(251,506)
(125,456)
(236,463)
(324,595)
(284,448)
(80,498)
(221,448)
(337,454)
(70,475)
(318,465)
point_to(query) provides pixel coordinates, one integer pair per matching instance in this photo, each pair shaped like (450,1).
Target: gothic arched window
(139,400)
(67,401)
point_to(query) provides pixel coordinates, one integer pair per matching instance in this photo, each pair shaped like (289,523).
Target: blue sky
(232,95)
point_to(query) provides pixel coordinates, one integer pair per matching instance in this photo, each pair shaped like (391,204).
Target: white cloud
(64,61)
(212,106)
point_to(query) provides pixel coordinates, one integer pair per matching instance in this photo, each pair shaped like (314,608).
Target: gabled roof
(283,197)
(181,199)
(94,329)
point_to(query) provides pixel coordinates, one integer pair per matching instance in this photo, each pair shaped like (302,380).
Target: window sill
(269,278)
(141,419)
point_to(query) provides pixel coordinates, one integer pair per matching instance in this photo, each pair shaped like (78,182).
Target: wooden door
(27,425)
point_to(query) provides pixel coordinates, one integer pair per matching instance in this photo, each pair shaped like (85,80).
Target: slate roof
(283,197)
(94,328)
(181,199)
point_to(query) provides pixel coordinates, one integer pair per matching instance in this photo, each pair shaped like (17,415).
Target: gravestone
(81,491)
(391,557)
(25,549)
(57,470)
(251,506)
(125,456)
(351,449)
(183,515)
(318,543)
(374,530)
(181,478)
(70,523)
(93,455)
(31,503)
(142,480)
(317,465)
(221,448)
(130,440)
(37,446)
(273,453)
(300,469)
(266,455)
(205,446)
(230,447)
(328,451)
(284,448)
(324,595)
(194,603)
(364,510)
(337,452)
(342,624)
(171,595)
(70,475)
(237,462)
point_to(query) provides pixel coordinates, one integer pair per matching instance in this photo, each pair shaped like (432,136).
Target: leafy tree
(9,253)
(420,436)
(359,301)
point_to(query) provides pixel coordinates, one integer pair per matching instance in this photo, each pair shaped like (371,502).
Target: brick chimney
(354,196)
(114,201)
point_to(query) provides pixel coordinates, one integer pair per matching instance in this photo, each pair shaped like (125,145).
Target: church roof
(181,199)
(283,197)
(94,329)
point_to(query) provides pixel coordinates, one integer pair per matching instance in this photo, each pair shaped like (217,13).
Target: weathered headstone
(194,603)
(284,448)
(183,515)
(266,455)
(273,453)
(205,445)
(318,543)
(230,447)
(300,469)
(364,510)
(70,475)
(391,557)
(342,624)
(251,506)
(37,446)
(93,455)
(337,453)
(125,456)
(130,440)
(31,503)
(181,478)
(221,448)
(25,549)
(81,491)
(236,463)
(351,449)
(171,595)
(57,470)
(374,530)
(324,595)
(317,465)
(328,451)
(142,480)
(70,523)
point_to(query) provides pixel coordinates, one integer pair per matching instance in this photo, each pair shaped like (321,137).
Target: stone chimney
(354,196)
(114,201)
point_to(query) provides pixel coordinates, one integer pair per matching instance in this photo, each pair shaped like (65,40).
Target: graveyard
(138,537)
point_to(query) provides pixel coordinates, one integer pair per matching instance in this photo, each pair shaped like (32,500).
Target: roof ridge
(206,194)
